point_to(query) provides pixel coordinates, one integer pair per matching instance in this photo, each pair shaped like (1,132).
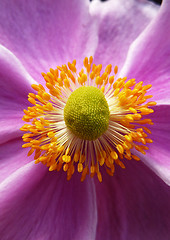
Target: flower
(38,204)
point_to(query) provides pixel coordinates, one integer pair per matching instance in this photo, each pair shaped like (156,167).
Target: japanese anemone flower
(84,125)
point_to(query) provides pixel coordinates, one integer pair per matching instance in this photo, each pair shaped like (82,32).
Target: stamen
(107,120)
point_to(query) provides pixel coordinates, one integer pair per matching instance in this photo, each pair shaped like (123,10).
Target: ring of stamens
(52,142)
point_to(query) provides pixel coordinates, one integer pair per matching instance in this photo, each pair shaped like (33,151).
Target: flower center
(87,120)
(86,113)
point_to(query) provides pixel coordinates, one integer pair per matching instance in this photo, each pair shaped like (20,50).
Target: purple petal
(15,84)
(37,206)
(43,34)
(12,158)
(148,59)
(158,155)
(133,204)
(121,22)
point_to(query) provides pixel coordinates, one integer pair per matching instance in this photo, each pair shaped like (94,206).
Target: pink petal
(12,158)
(148,59)
(158,155)
(42,206)
(15,84)
(38,204)
(133,204)
(120,23)
(43,34)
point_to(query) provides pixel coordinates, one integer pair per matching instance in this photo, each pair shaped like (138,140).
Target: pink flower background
(36,204)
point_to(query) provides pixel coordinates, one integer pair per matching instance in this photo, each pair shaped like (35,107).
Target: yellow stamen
(53,144)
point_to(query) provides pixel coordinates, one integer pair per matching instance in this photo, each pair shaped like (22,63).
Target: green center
(86,113)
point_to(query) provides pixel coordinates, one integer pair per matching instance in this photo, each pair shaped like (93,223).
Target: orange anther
(116,69)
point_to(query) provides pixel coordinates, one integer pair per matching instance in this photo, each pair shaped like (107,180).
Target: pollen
(87,120)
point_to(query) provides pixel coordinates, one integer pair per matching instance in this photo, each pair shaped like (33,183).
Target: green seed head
(86,113)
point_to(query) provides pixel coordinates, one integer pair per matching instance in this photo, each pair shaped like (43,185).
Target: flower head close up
(89,157)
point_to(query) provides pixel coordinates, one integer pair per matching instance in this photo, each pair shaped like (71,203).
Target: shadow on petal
(133,204)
